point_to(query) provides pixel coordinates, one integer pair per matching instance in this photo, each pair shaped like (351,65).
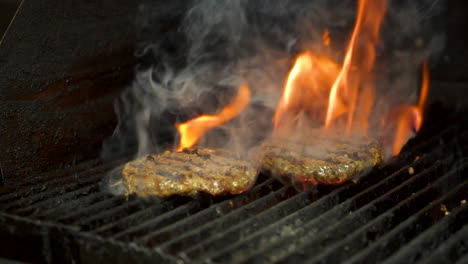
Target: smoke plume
(194,56)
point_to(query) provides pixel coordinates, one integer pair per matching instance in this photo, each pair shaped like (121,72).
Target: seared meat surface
(213,171)
(320,158)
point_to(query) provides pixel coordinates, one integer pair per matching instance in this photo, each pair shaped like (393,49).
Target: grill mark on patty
(206,154)
(231,157)
(177,173)
(218,157)
(176,164)
(221,167)
(283,151)
(182,161)
(224,161)
(164,173)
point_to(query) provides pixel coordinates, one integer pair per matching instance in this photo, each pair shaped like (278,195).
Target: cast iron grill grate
(413,209)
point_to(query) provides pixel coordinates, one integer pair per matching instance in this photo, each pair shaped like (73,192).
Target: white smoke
(212,46)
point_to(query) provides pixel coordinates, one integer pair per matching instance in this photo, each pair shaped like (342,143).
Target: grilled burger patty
(213,171)
(320,158)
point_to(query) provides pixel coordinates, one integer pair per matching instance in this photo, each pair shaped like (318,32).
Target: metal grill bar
(91,210)
(267,186)
(38,188)
(368,233)
(339,221)
(392,214)
(293,224)
(463,260)
(205,216)
(232,235)
(161,220)
(50,194)
(234,217)
(113,214)
(58,178)
(222,240)
(221,234)
(453,249)
(448,223)
(56,201)
(432,237)
(71,206)
(133,219)
(397,237)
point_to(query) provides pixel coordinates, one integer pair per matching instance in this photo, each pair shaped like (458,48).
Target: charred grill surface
(189,172)
(412,209)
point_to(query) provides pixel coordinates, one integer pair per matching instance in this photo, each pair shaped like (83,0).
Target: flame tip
(192,130)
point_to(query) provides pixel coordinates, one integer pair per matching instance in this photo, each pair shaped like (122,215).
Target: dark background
(63,63)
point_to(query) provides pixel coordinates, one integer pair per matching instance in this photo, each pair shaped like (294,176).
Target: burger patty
(213,171)
(320,158)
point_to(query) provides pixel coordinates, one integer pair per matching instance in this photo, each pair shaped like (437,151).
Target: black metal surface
(413,209)
(62,66)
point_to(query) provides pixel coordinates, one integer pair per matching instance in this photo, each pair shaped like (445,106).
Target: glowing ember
(191,131)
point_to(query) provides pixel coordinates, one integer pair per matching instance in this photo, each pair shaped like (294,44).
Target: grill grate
(414,209)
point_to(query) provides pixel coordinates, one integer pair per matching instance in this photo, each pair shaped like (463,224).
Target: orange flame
(320,87)
(343,96)
(424,87)
(410,117)
(353,83)
(306,88)
(326,38)
(191,131)
(328,94)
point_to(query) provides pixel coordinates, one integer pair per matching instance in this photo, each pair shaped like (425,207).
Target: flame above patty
(339,98)
(191,131)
